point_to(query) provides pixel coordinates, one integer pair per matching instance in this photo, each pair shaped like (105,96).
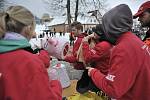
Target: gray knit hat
(117,21)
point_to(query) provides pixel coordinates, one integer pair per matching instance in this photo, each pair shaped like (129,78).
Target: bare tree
(56,7)
(78,7)
(84,6)
(76,10)
(68,14)
(92,5)
(60,7)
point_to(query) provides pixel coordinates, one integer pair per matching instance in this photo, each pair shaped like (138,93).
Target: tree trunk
(68,15)
(76,11)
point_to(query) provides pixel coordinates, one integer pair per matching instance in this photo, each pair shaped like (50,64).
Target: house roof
(88,20)
(82,19)
(58,20)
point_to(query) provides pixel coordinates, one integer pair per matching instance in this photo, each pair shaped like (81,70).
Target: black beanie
(98,29)
(100,32)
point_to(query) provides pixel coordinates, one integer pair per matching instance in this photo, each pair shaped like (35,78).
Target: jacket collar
(13,41)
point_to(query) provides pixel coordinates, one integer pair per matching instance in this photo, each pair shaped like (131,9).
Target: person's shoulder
(27,56)
(104,43)
(24,58)
(23,52)
(30,61)
(30,58)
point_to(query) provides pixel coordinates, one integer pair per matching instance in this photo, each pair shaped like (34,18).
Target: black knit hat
(100,32)
(98,29)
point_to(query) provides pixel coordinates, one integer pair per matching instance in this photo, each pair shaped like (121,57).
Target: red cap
(142,8)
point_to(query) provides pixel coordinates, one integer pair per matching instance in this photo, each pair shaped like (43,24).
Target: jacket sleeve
(120,77)
(41,87)
(77,65)
(70,59)
(44,57)
(56,86)
(100,50)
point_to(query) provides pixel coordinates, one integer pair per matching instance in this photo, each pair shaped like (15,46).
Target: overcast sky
(38,7)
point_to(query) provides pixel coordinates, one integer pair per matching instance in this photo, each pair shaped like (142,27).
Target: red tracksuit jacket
(129,75)
(24,77)
(72,58)
(99,55)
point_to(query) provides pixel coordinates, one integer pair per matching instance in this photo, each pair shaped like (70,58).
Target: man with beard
(144,17)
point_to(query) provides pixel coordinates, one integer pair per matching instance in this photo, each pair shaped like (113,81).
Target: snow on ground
(36,42)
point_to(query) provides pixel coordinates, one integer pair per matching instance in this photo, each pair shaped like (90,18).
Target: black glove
(85,84)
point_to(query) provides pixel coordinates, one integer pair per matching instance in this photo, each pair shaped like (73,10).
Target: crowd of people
(114,59)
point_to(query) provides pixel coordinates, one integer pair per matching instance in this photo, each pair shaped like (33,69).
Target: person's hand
(91,36)
(85,39)
(89,70)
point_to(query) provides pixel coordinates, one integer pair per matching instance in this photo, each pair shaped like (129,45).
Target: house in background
(60,24)
(88,21)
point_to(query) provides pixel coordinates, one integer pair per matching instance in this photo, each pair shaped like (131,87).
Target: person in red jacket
(96,56)
(23,74)
(143,16)
(76,28)
(129,74)
(99,55)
